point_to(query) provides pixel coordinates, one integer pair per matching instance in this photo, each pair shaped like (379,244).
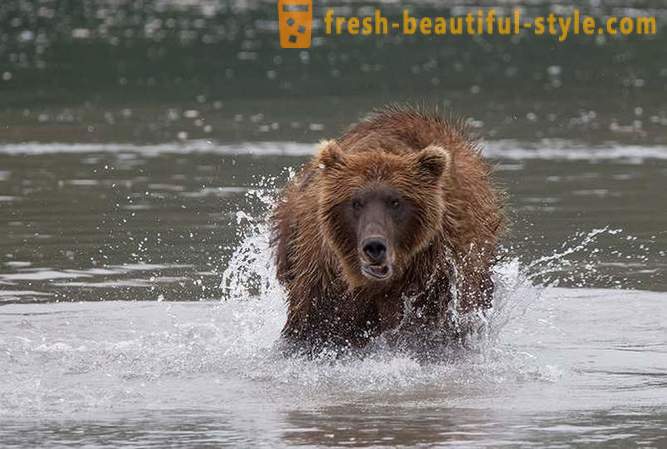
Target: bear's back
(399,129)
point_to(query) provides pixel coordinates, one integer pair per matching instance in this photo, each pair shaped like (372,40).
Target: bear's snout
(375,249)
(375,258)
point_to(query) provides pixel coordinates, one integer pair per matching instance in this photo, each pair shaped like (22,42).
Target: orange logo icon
(295,22)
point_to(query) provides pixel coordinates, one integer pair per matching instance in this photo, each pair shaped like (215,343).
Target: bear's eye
(356,204)
(394,203)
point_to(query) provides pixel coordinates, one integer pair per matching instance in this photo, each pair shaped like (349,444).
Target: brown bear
(397,216)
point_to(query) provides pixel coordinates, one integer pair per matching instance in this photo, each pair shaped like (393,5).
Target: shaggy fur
(447,254)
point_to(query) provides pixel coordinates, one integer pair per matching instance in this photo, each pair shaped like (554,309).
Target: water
(165,70)
(141,146)
(91,230)
(571,369)
(107,222)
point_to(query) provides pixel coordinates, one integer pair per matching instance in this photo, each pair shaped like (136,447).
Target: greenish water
(129,70)
(141,146)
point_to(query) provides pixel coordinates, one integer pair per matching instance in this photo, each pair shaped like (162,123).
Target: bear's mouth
(376,272)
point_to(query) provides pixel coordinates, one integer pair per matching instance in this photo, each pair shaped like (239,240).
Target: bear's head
(378,209)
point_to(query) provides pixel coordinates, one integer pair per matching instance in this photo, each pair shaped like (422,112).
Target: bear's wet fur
(397,214)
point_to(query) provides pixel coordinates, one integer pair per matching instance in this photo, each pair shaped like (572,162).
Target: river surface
(141,147)
(140,309)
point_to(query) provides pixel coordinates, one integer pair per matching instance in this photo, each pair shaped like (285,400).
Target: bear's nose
(375,249)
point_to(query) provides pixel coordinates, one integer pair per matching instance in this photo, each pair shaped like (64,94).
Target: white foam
(42,275)
(572,151)
(151,150)
(500,149)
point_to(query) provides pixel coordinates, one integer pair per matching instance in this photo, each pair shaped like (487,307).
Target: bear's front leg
(389,309)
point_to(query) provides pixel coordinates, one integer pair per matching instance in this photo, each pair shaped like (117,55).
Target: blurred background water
(141,146)
(162,70)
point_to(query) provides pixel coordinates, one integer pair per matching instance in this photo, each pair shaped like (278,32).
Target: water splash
(235,341)
(255,303)
(582,260)
(251,271)
(250,276)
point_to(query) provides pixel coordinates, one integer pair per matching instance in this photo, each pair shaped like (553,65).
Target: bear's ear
(433,161)
(330,155)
